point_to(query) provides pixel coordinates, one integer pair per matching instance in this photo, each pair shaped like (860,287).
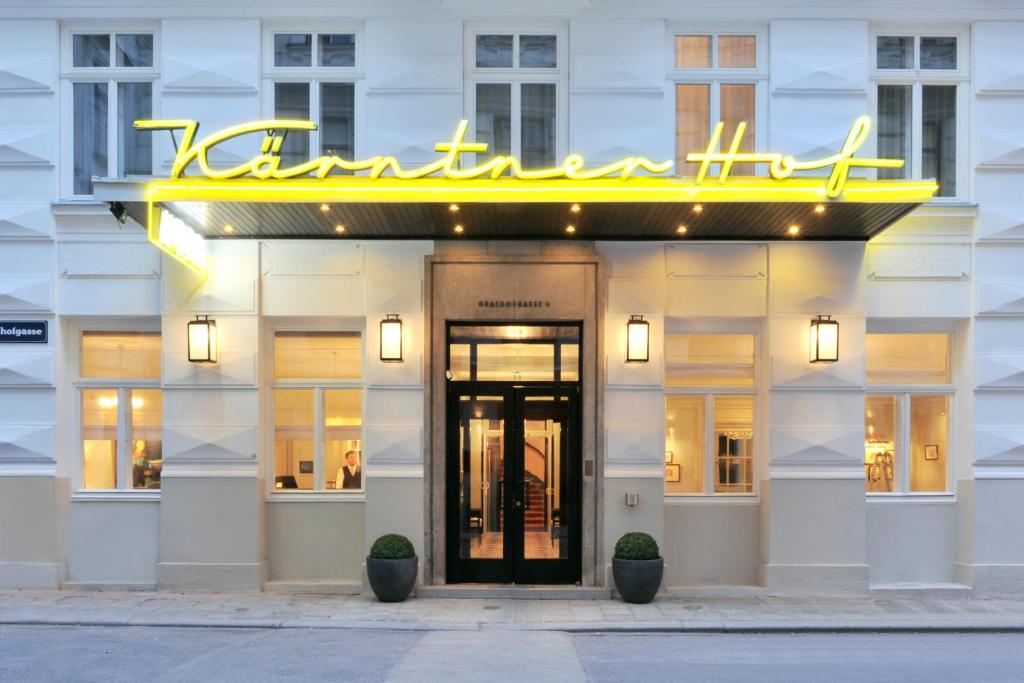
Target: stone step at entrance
(487,591)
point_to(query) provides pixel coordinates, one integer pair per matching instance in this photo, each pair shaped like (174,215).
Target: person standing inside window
(350,474)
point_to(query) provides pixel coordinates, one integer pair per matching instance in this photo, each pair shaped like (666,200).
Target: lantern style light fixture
(638,345)
(202,340)
(391,339)
(824,340)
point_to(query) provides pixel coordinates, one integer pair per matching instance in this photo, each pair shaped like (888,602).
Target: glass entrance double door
(513,483)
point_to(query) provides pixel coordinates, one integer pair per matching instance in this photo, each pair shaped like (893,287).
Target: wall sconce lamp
(391,339)
(638,340)
(824,346)
(202,340)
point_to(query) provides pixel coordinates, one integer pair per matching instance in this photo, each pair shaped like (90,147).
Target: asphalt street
(89,653)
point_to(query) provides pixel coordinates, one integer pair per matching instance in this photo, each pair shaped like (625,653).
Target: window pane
(724,360)
(147,444)
(99,438)
(134,49)
(337,119)
(738,106)
(343,445)
(494,52)
(929,427)
(938,52)
(693,52)
(318,355)
(570,368)
(134,147)
(293,439)
(90,134)
(538,125)
(879,444)
(894,128)
(291,101)
(131,355)
(293,49)
(337,49)
(512,352)
(737,52)
(91,50)
(908,358)
(494,117)
(516,362)
(734,444)
(684,444)
(895,52)
(693,115)
(538,52)
(938,137)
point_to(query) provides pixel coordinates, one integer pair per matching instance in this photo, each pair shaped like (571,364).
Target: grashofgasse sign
(23,332)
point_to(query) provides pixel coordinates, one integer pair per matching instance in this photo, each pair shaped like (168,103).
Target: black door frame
(514,567)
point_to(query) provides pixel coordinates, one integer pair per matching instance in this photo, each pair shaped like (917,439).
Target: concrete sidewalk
(874,612)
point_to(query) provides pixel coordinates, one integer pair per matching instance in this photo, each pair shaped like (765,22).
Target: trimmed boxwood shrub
(637,545)
(392,547)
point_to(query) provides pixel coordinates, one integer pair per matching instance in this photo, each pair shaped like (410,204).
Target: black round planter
(392,580)
(638,580)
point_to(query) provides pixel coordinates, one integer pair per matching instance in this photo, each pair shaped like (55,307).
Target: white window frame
(917,78)
(515,77)
(715,76)
(901,443)
(319,386)
(315,75)
(111,75)
(709,393)
(123,386)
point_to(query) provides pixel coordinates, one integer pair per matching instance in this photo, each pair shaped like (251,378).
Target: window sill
(901,498)
(106,496)
(712,499)
(317,497)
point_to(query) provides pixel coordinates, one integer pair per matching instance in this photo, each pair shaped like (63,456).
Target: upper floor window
(718,77)
(709,413)
(921,106)
(313,77)
(517,93)
(907,413)
(318,409)
(110,76)
(121,410)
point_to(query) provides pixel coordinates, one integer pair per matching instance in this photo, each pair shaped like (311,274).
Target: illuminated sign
(453,179)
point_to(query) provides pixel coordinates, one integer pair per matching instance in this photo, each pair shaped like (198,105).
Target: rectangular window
(313,78)
(317,411)
(111,85)
(121,410)
(919,81)
(714,83)
(517,95)
(709,434)
(907,422)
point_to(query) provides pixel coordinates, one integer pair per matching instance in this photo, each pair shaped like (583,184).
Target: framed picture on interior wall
(672,473)
(931,452)
(305,467)
(669,457)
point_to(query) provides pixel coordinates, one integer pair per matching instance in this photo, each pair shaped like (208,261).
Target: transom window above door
(516,51)
(514,353)
(328,49)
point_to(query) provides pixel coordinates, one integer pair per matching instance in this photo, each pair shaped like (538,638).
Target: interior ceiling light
(793,230)
(325,208)
(681,229)
(698,208)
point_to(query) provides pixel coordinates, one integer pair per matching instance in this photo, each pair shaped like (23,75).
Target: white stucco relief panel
(717,261)
(1003,370)
(285,258)
(26,368)
(393,445)
(1001,297)
(210,444)
(998,65)
(23,443)
(995,446)
(108,259)
(233,368)
(23,146)
(26,294)
(1000,148)
(26,221)
(817,446)
(320,296)
(804,57)
(946,261)
(225,62)
(793,371)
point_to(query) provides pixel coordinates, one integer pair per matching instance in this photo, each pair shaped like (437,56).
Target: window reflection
(293,439)
(99,438)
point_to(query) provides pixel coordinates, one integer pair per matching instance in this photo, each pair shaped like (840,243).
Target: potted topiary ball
(391,567)
(637,567)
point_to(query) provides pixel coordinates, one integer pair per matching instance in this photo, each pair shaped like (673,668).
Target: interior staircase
(534,517)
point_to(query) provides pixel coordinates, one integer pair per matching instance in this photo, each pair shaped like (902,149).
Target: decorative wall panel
(817,446)
(793,371)
(233,369)
(1000,222)
(1000,371)
(1001,148)
(999,446)
(108,259)
(1001,297)
(26,146)
(311,258)
(26,368)
(21,443)
(717,260)
(210,444)
(946,261)
(26,294)
(804,57)
(26,221)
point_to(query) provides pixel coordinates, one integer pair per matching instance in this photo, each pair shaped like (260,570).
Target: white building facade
(513,442)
